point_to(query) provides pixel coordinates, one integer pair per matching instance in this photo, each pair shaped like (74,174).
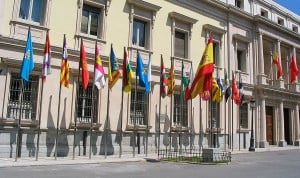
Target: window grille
(214,114)
(85,104)
(24,105)
(140,105)
(244,116)
(180,117)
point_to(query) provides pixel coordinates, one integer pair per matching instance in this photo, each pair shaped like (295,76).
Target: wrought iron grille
(244,116)
(138,107)
(180,117)
(214,114)
(85,104)
(22,101)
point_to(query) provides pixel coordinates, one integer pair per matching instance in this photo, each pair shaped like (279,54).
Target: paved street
(277,164)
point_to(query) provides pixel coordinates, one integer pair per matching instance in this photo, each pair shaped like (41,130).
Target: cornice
(182,17)
(144,4)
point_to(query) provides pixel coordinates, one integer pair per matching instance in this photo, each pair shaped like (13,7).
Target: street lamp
(252,105)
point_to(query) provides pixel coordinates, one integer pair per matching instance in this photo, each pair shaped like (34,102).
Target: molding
(214,29)
(242,38)
(182,17)
(144,5)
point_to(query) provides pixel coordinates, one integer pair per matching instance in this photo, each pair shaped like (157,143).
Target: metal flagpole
(232,124)
(57,122)
(147,124)
(75,120)
(92,118)
(39,126)
(200,129)
(159,111)
(240,117)
(121,130)
(19,122)
(211,117)
(106,122)
(225,125)
(171,108)
(134,110)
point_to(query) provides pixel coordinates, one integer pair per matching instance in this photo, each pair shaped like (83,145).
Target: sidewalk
(44,161)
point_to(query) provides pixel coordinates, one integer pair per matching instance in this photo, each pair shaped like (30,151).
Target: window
(86,101)
(216,48)
(22,103)
(263,13)
(138,107)
(180,113)
(180,45)
(90,20)
(280,21)
(32,10)
(295,28)
(239,4)
(241,60)
(214,114)
(139,33)
(244,116)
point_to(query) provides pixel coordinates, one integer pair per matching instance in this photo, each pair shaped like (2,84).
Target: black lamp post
(252,105)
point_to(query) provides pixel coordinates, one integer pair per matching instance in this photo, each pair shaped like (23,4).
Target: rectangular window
(139,33)
(32,10)
(180,113)
(264,13)
(244,116)
(239,4)
(214,116)
(280,21)
(180,44)
(295,28)
(138,107)
(86,101)
(216,48)
(22,101)
(90,20)
(241,60)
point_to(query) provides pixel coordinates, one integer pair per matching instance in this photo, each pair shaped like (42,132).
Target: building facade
(247,36)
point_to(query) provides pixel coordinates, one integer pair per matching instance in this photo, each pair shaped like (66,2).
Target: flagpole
(159,109)
(121,123)
(239,118)
(57,121)
(147,124)
(232,124)
(200,130)
(181,107)
(39,126)
(171,108)
(19,122)
(225,125)
(134,108)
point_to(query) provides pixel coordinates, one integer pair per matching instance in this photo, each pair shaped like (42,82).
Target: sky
(293,5)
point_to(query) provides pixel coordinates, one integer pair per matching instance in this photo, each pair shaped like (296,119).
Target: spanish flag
(276,61)
(202,83)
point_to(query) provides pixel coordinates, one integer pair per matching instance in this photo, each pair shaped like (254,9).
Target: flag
(235,92)
(294,69)
(64,70)
(113,69)
(171,80)
(216,91)
(276,61)
(241,90)
(84,67)
(227,86)
(163,79)
(184,79)
(191,78)
(99,79)
(202,82)
(127,73)
(47,58)
(149,74)
(141,72)
(220,83)
(28,61)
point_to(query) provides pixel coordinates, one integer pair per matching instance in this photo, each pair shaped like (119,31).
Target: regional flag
(235,91)
(64,70)
(149,74)
(171,80)
(141,72)
(227,86)
(28,61)
(113,69)
(99,79)
(202,83)
(293,69)
(163,78)
(127,73)
(276,61)
(84,67)
(216,91)
(47,58)
(191,78)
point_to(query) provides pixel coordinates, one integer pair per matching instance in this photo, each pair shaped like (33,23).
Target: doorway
(287,135)
(269,124)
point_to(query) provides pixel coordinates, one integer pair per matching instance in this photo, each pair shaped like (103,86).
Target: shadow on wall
(119,135)
(50,136)
(30,144)
(63,145)
(13,141)
(166,138)
(106,140)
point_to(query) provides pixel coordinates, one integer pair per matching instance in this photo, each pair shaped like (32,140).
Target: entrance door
(269,124)
(287,132)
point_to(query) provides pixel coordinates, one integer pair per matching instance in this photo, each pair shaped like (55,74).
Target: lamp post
(252,105)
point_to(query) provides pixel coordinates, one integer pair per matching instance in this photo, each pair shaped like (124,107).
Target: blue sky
(293,5)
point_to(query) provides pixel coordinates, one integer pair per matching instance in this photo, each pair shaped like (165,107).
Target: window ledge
(179,129)
(130,127)
(85,125)
(29,23)
(15,122)
(243,130)
(140,49)
(90,37)
(214,130)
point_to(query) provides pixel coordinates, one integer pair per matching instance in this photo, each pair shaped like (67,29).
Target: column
(263,128)
(297,139)
(261,76)
(282,141)
(279,82)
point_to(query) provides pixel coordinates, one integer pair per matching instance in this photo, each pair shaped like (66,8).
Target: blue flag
(142,73)
(28,62)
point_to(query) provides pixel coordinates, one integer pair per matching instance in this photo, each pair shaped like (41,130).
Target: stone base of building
(263,144)
(282,143)
(297,143)
(209,154)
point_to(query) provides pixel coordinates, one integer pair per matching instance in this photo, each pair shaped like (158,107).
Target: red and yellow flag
(84,67)
(202,83)
(235,91)
(294,69)
(276,61)
(171,80)
(64,70)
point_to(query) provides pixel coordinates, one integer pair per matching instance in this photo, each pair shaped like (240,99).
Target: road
(276,164)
